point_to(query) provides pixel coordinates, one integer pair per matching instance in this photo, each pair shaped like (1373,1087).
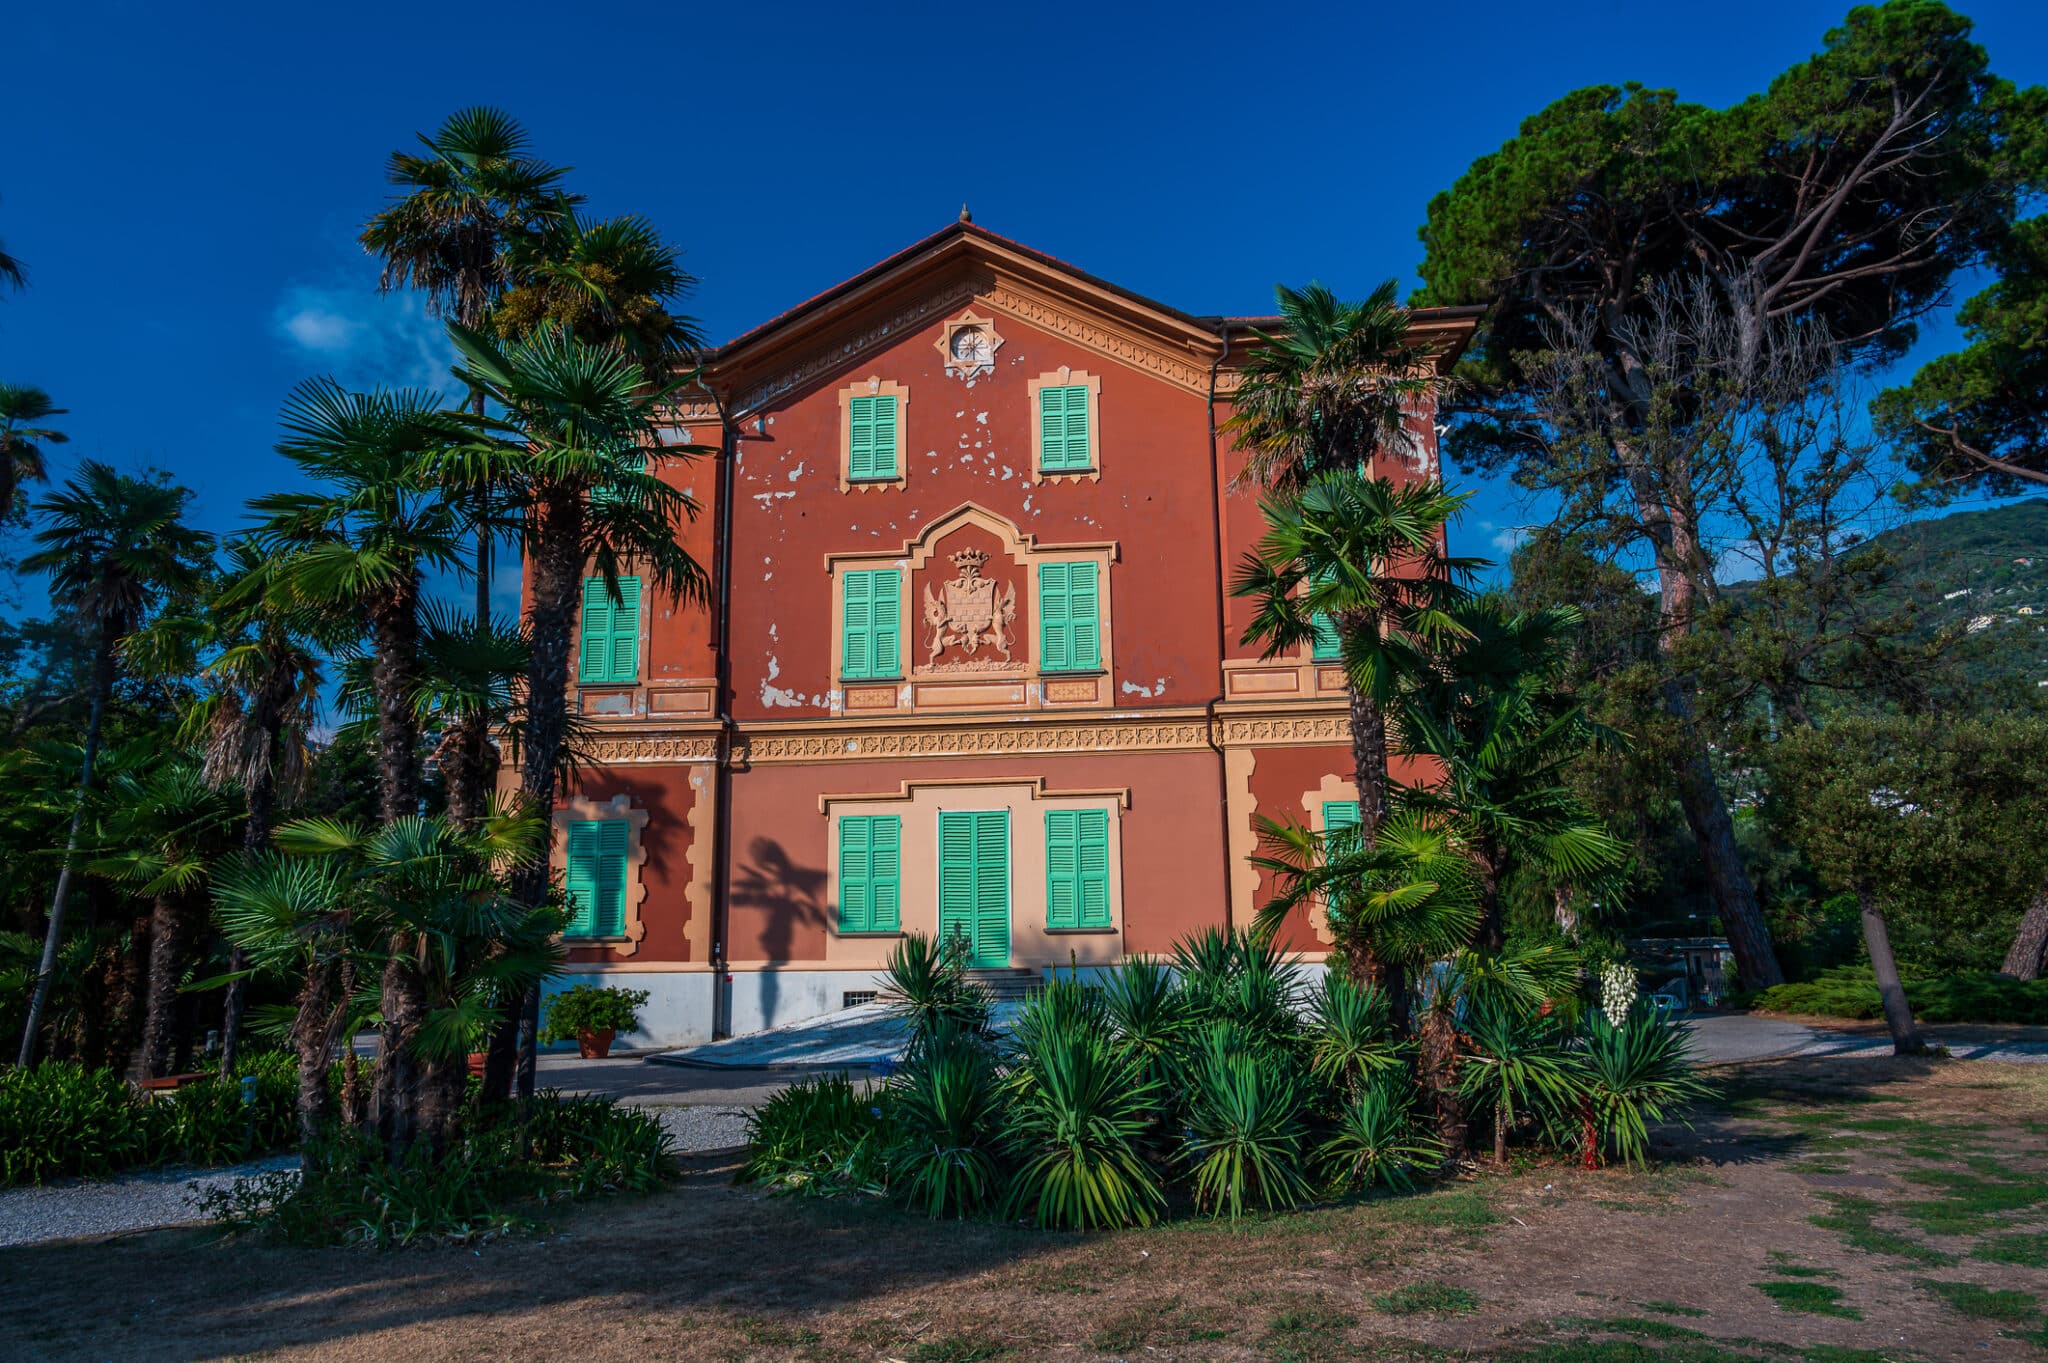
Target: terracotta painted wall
(669,795)
(1172,846)
(971,441)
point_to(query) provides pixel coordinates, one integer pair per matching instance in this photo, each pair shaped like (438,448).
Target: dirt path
(1925,1173)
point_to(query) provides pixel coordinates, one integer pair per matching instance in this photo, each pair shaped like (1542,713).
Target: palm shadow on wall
(787,896)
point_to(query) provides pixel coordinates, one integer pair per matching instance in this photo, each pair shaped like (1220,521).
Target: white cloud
(365,339)
(1509,538)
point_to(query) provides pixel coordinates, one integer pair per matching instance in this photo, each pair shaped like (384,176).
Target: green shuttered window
(1069,618)
(597,877)
(871,437)
(974,883)
(1339,814)
(870,872)
(1063,429)
(610,647)
(871,645)
(1329,648)
(607,494)
(1077,868)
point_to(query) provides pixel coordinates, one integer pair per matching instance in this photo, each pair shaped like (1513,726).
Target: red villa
(971,664)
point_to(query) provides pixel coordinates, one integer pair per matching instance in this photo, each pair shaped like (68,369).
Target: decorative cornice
(849,744)
(628,747)
(859,344)
(1124,346)
(1260,731)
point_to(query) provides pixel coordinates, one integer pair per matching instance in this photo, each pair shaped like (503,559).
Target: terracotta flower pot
(477,1061)
(596,1045)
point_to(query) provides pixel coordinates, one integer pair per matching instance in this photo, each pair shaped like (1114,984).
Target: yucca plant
(1147,1013)
(1058,1007)
(926,985)
(1351,1033)
(1244,1127)
(1205,961)
(1635,1075)
(1077,1107)
(947,1110)
(817,1138)
(1374,1144)
(1519,1067)
(1261,998)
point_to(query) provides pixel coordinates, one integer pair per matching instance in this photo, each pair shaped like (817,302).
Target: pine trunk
(2030,944)
(1898,1013)
(1713,832)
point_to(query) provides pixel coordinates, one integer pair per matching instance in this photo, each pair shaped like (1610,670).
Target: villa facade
(970,665)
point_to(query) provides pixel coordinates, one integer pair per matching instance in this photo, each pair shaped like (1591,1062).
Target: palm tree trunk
(102,688)
(2023,961)
(556,588)
(1438,1062)
(266,718)
(1898,1013)
(313,1031)
(166,963)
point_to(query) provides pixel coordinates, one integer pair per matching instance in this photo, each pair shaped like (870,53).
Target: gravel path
(157,1198)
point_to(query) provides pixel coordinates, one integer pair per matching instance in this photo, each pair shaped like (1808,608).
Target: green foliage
(946,1114)
(494,1180)
(592,1008)
(1519,1067)
(1077,1109)
(1851,992)
(1351,1034)
(1808,1298)
(1636,1075)
(58,1120)
(819,1137)
(1431,1298)
(926,984)
(1148,1013)
(1373,1144)
(1245,1128)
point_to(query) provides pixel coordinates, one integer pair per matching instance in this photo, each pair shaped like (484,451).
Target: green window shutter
(1329,647)
(609,647)
(1062,868)
(872,632)
(607,494)
(871,437)
(1069,618)
(1063,428)
(974,882)
(1077,868)
(870,872)
(596,877)
(1340,814)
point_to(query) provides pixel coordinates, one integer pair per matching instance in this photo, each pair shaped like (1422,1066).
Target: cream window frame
(873,387)
(1066,377)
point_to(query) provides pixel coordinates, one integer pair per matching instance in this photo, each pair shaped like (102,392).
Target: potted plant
(591,1015)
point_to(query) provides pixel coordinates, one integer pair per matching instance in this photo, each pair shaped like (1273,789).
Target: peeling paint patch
(767,499)
(1131,688)
(796,472)
(981,418)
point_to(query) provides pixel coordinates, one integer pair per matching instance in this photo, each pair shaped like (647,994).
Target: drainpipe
(1222,627)
(721,772)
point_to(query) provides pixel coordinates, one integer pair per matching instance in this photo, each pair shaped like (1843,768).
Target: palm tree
(263,668)
(608,282)
(12,272)
(21,440)
(111,544)
(1363,556)
(467,691)
(572,406)
(354,555)
(167,827)
(473,195)
(1494,718)
(1335,385)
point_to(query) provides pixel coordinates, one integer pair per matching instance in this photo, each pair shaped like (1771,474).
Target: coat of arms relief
(971,614)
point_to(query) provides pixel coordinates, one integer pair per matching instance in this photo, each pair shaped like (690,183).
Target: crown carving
(970,558)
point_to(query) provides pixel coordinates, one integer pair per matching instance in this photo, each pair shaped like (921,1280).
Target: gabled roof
(911,288)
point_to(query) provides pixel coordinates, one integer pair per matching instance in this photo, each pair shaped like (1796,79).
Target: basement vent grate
(854,998)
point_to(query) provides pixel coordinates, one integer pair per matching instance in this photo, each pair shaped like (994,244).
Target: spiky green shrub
(1147,1012)
(1373,1143)
(1351,1034)
(1635,1075)
(59,1119)
(926,984)
(948,1118)
(1077,1106)
(1519,1066)
(1205,961)
(819,1137)
(1245,1128)
(1061,1006)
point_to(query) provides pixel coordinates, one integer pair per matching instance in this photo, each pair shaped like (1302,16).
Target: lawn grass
(1670,1308)
(1809,1298)
(1426,1298)
(2026,1250)
(2007,1306)
(1855,1220)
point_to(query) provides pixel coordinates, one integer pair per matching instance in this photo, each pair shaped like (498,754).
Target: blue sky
(185,182)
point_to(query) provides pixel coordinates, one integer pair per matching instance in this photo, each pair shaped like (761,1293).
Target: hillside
(1985,571)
